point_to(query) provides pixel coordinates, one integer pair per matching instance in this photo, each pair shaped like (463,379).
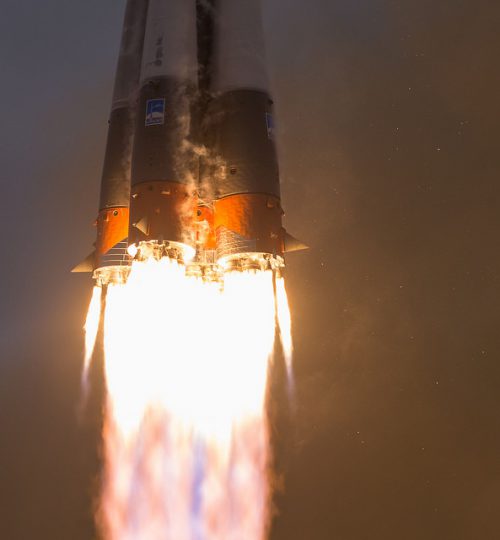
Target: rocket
(110,261)
(191,169)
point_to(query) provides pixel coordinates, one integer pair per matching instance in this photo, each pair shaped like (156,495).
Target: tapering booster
(112,223)
(162,195)
(240,132)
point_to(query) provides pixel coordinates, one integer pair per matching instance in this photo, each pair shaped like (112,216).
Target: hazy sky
(388,115)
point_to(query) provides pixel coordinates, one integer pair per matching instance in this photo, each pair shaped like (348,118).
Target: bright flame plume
(285,326)
(186,441)
(91,329)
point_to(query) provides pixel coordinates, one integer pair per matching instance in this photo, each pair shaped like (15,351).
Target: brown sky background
(388,125)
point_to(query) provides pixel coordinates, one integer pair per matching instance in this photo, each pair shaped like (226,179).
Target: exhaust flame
(186,441)
(285,326)
(91,329)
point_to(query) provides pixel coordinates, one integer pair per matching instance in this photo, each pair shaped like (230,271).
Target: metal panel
(115,185)
(162,212)
(169,79)
(248,224)
(170,45)
(205,24)
(115,182)
(238,135)
(239,60)
(161,151)
(130,59)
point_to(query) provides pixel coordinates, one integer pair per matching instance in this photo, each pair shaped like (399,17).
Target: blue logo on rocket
(155,112)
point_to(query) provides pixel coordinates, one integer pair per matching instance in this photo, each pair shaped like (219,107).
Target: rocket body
(162,178)
(247,206)
(111,256)
(191,169)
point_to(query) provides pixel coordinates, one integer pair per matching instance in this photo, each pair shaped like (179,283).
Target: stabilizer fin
(87,265)
(143,226)
(293,244)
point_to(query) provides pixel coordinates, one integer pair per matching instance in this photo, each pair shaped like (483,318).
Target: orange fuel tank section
(161,212)
(248,223)
(111,244)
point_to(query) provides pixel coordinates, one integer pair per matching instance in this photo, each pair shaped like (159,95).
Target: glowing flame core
(186,438)
(91,329)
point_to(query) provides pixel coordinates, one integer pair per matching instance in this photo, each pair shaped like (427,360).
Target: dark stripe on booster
(205,16)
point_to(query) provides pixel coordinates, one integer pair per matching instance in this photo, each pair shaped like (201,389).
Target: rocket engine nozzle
(155,249)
